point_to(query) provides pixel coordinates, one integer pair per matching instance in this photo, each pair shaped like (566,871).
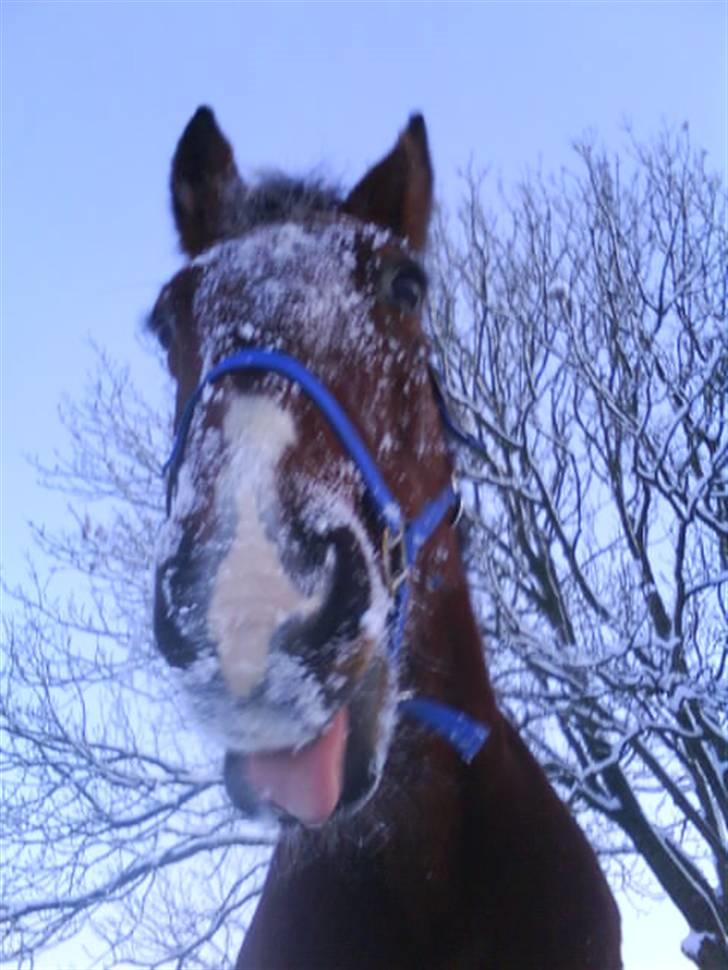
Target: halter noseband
(402,540)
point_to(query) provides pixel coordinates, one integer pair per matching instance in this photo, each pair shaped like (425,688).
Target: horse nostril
(178,650)
(349,592)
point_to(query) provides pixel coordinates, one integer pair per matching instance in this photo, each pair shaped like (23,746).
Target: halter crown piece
(401,540)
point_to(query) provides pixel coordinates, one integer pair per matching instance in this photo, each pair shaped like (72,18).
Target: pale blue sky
(95,94)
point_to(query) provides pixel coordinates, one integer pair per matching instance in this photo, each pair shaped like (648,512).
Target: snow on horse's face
(271,593)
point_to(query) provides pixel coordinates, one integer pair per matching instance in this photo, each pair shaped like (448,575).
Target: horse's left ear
(207,191)
(397,193)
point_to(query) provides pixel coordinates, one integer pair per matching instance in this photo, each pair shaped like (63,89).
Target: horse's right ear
(397,193)
(207,190)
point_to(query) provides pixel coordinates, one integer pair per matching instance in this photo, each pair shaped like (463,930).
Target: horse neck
(434,790)
(444,653)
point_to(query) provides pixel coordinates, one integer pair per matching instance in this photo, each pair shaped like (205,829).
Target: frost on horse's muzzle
(279,677)
(272,611)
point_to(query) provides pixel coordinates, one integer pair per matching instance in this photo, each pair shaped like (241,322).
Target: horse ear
(207,190)
(397,193)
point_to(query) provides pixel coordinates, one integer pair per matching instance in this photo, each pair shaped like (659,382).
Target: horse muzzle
(291,673)
(335,772)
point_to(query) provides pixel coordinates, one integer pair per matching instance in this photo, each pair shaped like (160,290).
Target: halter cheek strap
(401,540)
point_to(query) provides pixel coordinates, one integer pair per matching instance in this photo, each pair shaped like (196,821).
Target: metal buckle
(394,559)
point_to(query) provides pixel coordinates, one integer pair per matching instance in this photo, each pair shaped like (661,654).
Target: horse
(310,588)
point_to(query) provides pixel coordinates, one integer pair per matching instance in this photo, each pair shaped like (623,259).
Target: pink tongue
(306,783)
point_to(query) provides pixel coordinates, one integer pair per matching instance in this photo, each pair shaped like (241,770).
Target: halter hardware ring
(457,510)
(394,559)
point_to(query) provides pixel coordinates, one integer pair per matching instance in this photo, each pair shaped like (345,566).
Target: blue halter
(401,540)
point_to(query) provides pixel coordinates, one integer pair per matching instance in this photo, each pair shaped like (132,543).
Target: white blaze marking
(252,595)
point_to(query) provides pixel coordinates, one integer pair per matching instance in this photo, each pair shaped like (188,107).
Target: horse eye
(407,287)
(160,322)
(165,334)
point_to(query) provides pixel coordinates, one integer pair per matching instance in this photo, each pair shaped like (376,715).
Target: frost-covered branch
(113,810)
(582,333)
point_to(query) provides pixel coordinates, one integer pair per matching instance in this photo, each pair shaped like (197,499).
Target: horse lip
(356,777)
(368,700)
(304,782)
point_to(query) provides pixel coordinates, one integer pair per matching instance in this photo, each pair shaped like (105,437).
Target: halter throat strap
(401,540)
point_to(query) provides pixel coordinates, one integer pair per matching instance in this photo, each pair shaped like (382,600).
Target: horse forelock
(276,197)
(272,197)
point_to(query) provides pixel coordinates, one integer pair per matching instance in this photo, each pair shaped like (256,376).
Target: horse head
(276,573)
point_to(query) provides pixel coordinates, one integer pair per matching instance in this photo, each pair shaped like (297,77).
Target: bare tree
(582,333)
(113,813)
